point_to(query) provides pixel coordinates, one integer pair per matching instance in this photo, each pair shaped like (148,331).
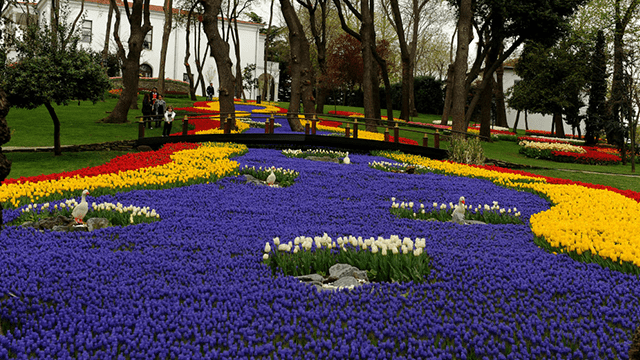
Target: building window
(86,31)
(148,40)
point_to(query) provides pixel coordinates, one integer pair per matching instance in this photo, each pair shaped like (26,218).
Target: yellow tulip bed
(583,222)
(208,162)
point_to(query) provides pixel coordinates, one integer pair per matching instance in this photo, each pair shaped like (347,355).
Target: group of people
(154,108)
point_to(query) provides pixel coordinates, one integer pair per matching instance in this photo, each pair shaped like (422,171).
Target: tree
(220,50)
(320,40)
(512,22)
(166,31)
(553,79)
(459,92)
(302,79)
(596,112)
(138,12)
(48,72)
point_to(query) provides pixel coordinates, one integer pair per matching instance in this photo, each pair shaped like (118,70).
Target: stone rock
(341,276)
(311,278)
(324,158)
(468,222)
(347,281)
(144,148)
(257,182)
(634,350)
(97,223)
(339,271)
(64,223)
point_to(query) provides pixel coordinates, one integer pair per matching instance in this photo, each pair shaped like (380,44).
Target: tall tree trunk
(557,120)
(166,31)
(57,150)
(200,64)
(320,40)
(105,49)
(405,58)
(131,61)
(448,97)
(187,55)
(5,136)
(266,81)
(368,43)
(501,109)
(515,124)
(236,44)
(301,77)
(460,67)
(485,110)
(220,51)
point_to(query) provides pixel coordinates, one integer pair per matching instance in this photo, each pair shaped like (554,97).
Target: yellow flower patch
(582,219)
(208,161)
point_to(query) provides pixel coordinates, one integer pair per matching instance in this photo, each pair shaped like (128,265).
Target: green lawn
(79,125)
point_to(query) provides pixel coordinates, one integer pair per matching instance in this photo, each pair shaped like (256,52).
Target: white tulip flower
(411,204)
(435,204)
(265,257)
(267,248)
(276,241)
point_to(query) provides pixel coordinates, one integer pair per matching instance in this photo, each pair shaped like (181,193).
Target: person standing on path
(147,110)
(158,107)
(210,92)
(169,115)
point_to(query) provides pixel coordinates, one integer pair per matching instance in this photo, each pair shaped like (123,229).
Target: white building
(535,121)
(93,26)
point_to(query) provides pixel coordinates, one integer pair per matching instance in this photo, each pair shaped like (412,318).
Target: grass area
(79,126)
(78,123)
(32,164)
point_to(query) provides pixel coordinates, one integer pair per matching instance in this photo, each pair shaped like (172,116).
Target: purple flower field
(192,286)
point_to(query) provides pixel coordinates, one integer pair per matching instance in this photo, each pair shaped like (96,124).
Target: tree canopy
(48,72)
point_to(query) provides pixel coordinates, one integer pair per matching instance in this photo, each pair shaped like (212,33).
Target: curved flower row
(209,162)
(583,219)
(564,147)
(131,161)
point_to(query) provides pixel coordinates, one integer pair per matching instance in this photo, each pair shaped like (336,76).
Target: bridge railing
(351,126)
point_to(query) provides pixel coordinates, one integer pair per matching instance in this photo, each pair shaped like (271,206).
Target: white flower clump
(118,207)
(318,152)
(571,141)
(396,166)
(275,170)
(250,122)
(393,244)
(495,207)
(552,146)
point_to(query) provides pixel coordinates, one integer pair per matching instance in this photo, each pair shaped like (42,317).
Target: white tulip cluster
(570,141)
(259,124)
(118,207)
(279,170)
(486,207)
(393,244)
(395,166)
(315,152)
(552,146)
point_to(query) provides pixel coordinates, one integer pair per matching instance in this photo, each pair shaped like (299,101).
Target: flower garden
(561,282)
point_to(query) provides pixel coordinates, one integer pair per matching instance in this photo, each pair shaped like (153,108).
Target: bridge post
(313,124)
(266,126)
(436,140)
(141,128)
(386,134)
(307,128)
(221,121)
(425,140)
(227,125)
(347,131)
(185,125)
(396,134)
(271,126)
(355,128)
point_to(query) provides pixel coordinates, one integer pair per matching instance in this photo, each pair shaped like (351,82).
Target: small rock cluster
(257,182)
(66,223)
(341,276)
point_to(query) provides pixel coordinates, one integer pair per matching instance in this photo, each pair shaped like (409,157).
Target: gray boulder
(339,271)
(97,223)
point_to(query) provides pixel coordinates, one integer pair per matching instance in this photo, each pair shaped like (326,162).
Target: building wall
(96,11)
(536,121)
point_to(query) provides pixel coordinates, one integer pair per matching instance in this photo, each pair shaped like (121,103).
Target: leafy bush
(466,151)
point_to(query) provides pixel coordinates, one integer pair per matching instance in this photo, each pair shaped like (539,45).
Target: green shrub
(466,151)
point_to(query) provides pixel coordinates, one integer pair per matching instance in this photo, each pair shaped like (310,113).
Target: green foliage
(596,112)
(249,82)
(466,151)
(284,177)
(551,76)
(428,93)
(51,70)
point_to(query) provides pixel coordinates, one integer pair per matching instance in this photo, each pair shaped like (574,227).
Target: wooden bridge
(350,140)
